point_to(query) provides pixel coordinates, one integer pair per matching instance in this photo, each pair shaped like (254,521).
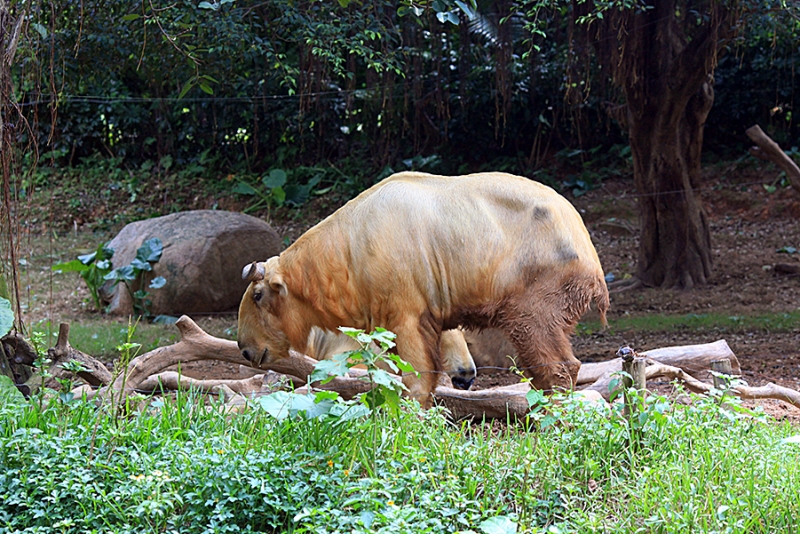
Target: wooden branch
(695,359)
(768,150)
(95,373)
(171,380)
(768,391)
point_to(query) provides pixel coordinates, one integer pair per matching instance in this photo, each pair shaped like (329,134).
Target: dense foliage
(182,466)
(240,85)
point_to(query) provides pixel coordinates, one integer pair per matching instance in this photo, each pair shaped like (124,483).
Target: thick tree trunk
(666,141)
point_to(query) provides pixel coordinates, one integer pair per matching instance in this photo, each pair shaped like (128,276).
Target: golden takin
(418,254)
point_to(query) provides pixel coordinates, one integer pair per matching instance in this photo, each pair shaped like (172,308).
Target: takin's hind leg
(544,353)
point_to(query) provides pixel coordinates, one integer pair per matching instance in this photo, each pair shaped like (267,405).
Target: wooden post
(722,367)
(635,367)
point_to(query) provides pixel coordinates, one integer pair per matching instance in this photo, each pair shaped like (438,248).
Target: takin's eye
(257,296)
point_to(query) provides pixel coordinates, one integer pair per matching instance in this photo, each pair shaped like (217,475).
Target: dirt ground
(753,228)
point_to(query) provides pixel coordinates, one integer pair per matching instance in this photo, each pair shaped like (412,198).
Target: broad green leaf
(86,259)
(277,404)
(327,370)
(275,178)
(123,274)
(548,420)
(382,378)
(326,395)
(206,88)
(207,5)
(535,398)
(278,196)
(347,412)
(158,282)
(70,266)
(352,332)
(131,16)
(498,525)
(141,265)
(150,250)
(243,188)
(6,317)
(9,394)
(402,365)
(296,195)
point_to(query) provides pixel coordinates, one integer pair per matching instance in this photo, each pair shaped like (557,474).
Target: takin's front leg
(544,352)
(419,348)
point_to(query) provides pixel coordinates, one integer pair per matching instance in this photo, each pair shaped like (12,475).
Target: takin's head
(456,358)
(261,334)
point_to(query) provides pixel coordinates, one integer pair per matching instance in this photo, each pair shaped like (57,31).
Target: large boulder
(204,253)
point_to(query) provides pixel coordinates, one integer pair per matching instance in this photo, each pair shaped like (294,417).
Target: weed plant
(183,464)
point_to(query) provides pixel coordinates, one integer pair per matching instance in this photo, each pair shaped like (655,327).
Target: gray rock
(204,254)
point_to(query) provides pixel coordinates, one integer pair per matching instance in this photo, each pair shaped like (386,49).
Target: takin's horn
(253,272)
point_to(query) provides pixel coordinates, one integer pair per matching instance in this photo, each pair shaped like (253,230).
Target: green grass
(765,322)
(181,465)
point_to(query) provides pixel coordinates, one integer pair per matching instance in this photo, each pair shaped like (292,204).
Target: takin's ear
(277,284)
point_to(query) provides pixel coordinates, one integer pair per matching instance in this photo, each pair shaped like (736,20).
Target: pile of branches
(148,373)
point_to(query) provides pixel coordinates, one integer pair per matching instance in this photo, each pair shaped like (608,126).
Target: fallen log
(694,359)
(769,150)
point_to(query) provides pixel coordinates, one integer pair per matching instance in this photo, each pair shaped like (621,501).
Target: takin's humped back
(418,254)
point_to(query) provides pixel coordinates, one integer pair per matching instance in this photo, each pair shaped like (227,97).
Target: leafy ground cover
(182,465)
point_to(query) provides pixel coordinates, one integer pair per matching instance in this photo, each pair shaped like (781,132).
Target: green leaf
(402,365)
(123,274)
(140,265)
(9,394)
(206,88)
(151,250)
(207,5)
(296,195)
(41,30)
(277,404)
(6,317)
(278,196)
(327,370)
(186,86)
(158,282)
(131,16)
(243,188)
(382,378)
(498,525)
(548,420)
(275,178)
(71,266)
